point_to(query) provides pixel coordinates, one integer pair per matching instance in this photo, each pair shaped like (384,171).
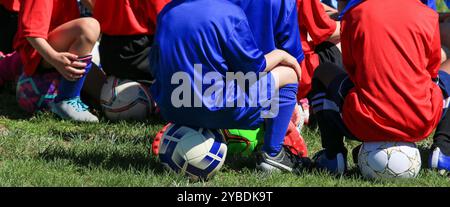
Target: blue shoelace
(78,104)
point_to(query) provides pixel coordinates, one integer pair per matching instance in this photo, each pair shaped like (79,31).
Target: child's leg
(332,136)
(440,157)
(442,134)
(276,127)
(274,157)
(77,37)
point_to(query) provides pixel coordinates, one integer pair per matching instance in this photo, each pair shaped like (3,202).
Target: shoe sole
(271,166)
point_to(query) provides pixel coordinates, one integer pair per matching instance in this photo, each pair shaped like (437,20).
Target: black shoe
(285,161)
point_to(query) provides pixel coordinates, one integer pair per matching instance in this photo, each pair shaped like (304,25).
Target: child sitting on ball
(200,49)
(51,37)
(392,88)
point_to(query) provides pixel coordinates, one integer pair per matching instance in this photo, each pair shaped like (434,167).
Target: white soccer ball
(197,153)
(389,160)
(126,100)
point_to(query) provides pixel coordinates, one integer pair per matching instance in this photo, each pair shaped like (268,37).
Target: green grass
(40,150)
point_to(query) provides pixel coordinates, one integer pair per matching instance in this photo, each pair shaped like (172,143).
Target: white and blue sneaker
(439,161)
(338,165)
(73,109)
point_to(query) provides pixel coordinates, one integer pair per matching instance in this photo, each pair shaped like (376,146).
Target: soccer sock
(71,89)
(331,135)
(442,135)
(276,127)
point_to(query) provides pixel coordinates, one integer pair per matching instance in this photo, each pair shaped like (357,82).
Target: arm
(319,25)
(65,63)
(336,36)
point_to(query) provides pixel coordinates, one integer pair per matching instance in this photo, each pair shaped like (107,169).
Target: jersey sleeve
(288,35)
(434,54)
(35,18)
(241,52)
(320,26)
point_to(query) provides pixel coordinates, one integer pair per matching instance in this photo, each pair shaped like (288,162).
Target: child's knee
(284,75)
(89,29)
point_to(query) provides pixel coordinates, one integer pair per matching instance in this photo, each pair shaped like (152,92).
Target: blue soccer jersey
(430,3)
(213,33)
(275,25)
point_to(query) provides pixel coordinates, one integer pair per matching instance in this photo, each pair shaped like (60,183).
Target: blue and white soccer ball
(195,152)
(389,160)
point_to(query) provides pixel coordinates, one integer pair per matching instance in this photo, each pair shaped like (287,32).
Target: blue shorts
(248,116)
(333,99)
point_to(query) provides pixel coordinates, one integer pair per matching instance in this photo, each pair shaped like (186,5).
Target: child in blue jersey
(279,30)
(219,41)
(276,31)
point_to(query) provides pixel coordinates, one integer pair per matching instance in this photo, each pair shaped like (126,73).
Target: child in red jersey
(127,28)
(8,20)
(392,88)
(319,34)
(51,36)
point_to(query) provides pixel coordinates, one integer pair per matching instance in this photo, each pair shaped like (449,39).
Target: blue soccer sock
(276,127)
(71,89)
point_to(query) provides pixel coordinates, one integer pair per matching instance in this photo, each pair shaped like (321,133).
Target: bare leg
(77,37)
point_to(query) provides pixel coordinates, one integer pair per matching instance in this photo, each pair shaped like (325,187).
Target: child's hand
(68,66)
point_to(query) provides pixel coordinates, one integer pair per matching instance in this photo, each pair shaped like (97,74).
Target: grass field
(41,150)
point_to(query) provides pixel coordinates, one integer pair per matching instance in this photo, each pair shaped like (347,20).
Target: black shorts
(329,53)
(8,29)
(126,57)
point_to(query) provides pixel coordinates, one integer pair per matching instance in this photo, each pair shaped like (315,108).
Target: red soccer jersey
(128,17)
(314,21)
(11,5)
(391,51)
(37,18)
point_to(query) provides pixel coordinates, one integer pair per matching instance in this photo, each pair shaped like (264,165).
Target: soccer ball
(126,100)
(195,152)
(34,93)
(389,160)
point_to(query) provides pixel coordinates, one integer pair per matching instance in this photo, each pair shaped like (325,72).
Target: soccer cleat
(338,165)
(73,109)
(285,161)
(439,161)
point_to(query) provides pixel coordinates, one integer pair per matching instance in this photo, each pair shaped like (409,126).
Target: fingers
(70,56)
(77,73)
(78,64)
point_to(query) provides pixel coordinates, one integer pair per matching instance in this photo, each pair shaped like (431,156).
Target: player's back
(390,54)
